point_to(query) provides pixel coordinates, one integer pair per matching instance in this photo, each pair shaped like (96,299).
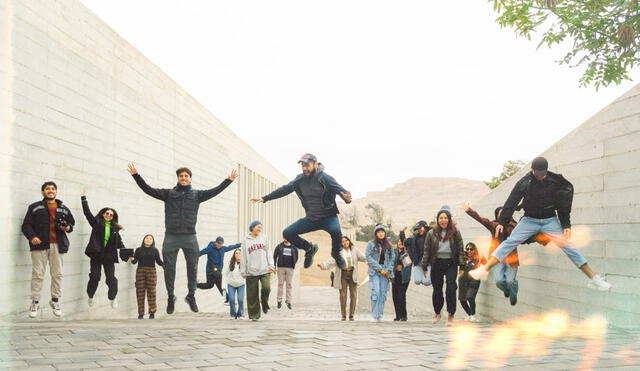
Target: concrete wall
(77,103)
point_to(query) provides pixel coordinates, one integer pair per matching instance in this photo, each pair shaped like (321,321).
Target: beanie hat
(219,240)
(254,224)
(444,209)
(421,224)
(379,227)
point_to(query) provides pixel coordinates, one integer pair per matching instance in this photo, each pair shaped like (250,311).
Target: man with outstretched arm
(546,199)
(317,191)
(181,204)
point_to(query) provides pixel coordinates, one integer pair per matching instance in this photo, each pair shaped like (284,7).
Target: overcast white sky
(380,91)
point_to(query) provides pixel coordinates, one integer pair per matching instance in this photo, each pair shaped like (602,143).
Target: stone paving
(309,336)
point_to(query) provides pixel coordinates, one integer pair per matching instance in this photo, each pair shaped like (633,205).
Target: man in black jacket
(546,199)
(317,191)
(181,205)
(46,225)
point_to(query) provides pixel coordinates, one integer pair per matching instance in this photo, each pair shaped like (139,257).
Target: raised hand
(499,230)
(257,200)
(132,169)
(465,206)
(234,175)
(83,193)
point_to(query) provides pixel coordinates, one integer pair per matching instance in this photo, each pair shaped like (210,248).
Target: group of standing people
(434,255)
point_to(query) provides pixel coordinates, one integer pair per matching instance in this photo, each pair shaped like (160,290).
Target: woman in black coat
(102,249)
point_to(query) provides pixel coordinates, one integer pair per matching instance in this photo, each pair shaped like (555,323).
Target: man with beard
(317,191)
(46,225)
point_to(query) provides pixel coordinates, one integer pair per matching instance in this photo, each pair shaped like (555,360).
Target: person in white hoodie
(257,268)
(235,284)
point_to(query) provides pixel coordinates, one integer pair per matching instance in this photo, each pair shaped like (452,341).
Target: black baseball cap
(219,240)
(540,166)
(307,158)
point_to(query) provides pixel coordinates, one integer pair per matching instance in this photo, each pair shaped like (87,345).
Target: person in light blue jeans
(381,258)
(235,285)
(415,248)
(546,198)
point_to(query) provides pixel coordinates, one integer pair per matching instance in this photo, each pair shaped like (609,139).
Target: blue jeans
(550,227)
(418,276)
(379,286)
(330,224)
(505,277)
(236,292)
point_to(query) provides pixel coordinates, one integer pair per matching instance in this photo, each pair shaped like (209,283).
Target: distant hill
(420,198)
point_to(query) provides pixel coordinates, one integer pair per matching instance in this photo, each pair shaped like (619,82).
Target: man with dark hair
(546,198)
(317,191)
(46,225)
(181,204)
(215,263)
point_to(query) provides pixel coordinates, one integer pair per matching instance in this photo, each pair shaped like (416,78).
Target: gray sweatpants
(189,245)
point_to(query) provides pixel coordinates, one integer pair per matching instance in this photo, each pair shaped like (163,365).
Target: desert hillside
(420,198)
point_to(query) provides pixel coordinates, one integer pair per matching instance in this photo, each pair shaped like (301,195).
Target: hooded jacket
(215,256)
(181,204)
(554,197)
(330,185)
(95,247)
(257,257)
(36,224)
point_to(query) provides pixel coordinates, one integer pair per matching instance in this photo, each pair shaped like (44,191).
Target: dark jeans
(330,224)
(469,306)
(214,278)
(188,243)
(94,277)
(444,269)
(399,292)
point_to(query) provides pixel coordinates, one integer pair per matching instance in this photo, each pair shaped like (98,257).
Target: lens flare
(529,336)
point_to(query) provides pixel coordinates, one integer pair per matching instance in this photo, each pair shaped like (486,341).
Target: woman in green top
(102,249)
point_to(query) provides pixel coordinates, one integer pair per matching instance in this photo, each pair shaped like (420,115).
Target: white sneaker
(114,303)
(33,309)
(373,319)
(468,319)
(55,305)
(473,319)
(598,283)
(90,302)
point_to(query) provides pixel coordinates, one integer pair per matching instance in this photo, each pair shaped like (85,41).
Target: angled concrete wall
(77,103)
(602,160)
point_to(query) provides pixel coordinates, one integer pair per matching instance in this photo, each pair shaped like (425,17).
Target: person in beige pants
(45,226)
(285,257)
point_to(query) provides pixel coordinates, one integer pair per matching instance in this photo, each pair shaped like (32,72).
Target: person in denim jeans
(415,248)
(317,191)
(381,257)
(546,199)
(235,285)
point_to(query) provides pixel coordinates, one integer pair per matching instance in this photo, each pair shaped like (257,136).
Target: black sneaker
(171,304)
(152,316)
(226,299)
(339,260)
(191,300)
(289,305)
(279,304)
(140,316)
(265,309)
(308,255)
(403,319)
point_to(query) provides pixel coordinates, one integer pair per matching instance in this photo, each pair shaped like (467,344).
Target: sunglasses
(108,214)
